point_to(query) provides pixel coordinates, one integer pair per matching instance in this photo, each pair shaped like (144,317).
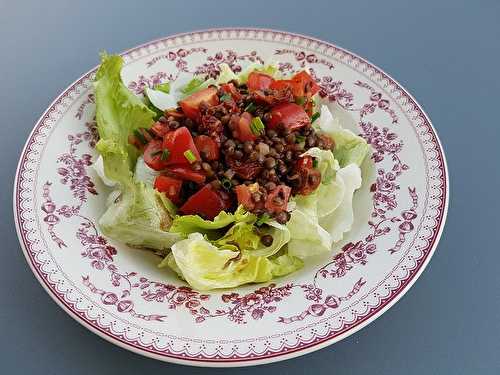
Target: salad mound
(231,180)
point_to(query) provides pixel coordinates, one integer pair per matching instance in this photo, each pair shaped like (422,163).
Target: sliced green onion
(226,183)
(300,100)
(225,97)
(257,126)
(165,154)
(299,138)
(140,136)
(188,154)
(164,87)
(250,107)
(263,219)
(315,116)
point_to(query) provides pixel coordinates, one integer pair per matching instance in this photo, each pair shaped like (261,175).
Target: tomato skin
(246,170)
(206,202)
(305,162)
(291,115)
(152,155)
(207,146)
(159,129)
(259,81)
(282,84)
(186,173)
(244,197)
(229,88)
(304,84)
(243,130)
(177,142)
(281,191)
(310,178)
(190,105)
(170,186)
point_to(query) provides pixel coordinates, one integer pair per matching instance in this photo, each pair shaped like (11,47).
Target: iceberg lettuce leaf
(349,147)
(341,219)
(118,113)
(205,266)
(139,216)
(187,224)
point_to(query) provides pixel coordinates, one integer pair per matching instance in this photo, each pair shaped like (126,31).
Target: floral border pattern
(406,217)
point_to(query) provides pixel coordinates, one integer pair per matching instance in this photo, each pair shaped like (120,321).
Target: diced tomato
(190,105)
(281,84)
(291,115)
(277,200)
(207,147)
(246,170)
(259,81)
(244,197)
(177,142)
(159,129)
(186,173)
(229,88)
(309,178)
(170,186)
(206,202)
(304,85)
(243,130)
(152,155)
(305,162)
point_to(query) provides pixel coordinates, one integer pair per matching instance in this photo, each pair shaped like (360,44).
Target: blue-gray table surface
(445,52)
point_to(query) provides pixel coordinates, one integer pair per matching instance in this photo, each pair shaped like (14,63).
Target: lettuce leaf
(226,74)
(187,224)
(196,84)
(118,113)
(160,99)
(242,235)
(205,266)
(349,147)
(280,234)
(341,219)
(322,217)
(143,173)
(139,216)
(308,238)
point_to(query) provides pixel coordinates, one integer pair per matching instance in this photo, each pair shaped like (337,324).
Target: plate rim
(275,357)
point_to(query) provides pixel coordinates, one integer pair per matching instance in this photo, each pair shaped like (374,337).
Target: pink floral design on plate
(120,294)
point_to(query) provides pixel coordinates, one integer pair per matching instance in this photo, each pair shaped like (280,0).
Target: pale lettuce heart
(143,173)
(280,234)
(98,166)
(160,99)
(308,238)
(226,74)
(205,266)
(141,217)
(187,224)
(349,147)
(341,219)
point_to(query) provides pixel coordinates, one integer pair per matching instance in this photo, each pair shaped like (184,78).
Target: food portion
(231,180)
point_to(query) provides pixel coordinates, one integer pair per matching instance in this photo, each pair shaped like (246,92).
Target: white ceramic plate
(120,294)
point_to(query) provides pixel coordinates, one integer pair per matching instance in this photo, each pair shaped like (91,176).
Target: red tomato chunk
(206,202)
